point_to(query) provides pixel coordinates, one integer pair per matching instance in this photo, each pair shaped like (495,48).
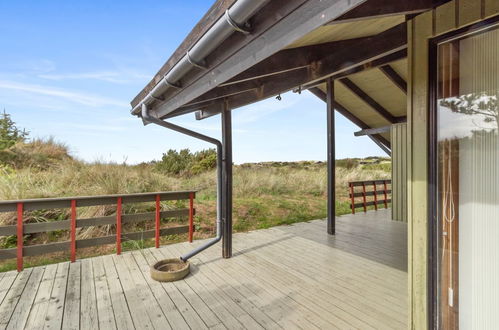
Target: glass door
(466,206)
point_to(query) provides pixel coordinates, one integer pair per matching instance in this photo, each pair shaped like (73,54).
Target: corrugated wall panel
(443,19)
(399,172)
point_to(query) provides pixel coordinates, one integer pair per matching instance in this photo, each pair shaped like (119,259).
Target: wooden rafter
(370,101)
(391,74)
(337,62)
(383,8)
(372,131)
(350,116)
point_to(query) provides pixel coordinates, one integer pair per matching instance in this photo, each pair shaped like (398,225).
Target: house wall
(448,17)
(398,133)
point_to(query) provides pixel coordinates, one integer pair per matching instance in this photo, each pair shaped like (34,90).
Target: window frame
(432,166)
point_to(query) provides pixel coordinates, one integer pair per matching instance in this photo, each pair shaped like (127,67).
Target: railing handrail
(384,191)
(22,205)
(33,204)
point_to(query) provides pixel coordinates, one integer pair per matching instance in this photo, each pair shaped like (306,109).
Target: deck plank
(89,318)
(105,310)
(285,277)
(21,312)
(6,284)
(209,296)
(121,310)
(190,314)
(55,311)
(132,294)
(241,307)
(175,318)
(12,298)
(153,310)
(41,302)
(71,318)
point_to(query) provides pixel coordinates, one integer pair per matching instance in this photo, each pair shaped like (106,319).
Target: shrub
(187,163)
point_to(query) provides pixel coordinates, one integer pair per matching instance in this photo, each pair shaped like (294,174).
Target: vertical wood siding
(448,17)
(399,172)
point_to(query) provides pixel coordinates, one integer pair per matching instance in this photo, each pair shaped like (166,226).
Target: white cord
(449,215)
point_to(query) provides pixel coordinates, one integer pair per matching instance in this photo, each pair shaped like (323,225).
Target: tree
(475,104)
(10,134)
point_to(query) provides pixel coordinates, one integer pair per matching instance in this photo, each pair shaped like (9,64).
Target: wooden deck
(288,277)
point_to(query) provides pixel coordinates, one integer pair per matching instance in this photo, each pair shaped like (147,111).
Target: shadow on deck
(284,277)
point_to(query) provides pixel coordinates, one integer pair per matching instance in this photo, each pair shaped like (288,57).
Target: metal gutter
(234,20)
(147,118)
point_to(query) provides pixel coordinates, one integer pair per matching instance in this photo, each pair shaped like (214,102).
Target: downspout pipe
(234,20)
(148,118)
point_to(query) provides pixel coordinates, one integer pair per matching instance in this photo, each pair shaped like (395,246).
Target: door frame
(433,225)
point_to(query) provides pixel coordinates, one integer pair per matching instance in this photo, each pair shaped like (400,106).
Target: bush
(39,153)
(184,162)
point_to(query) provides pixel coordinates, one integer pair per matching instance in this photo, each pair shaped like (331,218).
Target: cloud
(117,77)
(72,96)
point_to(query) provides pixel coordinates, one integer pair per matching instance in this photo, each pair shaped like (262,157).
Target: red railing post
(73,230)
(118,225)
(364,196)
(375,196)
(386,196)
(352,197)
(191,216)
(158,219)
(20,209)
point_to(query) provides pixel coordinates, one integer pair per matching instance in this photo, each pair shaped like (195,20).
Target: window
(464,180)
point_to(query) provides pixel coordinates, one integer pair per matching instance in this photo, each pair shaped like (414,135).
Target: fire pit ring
(170,270)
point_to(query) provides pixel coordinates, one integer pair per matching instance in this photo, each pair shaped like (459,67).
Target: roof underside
(365,55)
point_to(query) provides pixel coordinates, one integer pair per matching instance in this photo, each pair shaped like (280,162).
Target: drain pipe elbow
(148,118)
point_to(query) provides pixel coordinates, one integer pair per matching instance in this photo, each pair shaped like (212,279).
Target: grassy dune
(265,194)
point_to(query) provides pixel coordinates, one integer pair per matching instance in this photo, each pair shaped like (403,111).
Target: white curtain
(479,184)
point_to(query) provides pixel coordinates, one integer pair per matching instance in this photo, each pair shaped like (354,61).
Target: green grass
(264,195)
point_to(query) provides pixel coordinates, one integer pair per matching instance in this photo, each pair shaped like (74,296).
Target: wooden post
(331,159)
(157,224)
(73,230)
(20,237)
(118,225)
(375,196)
(191,216)
(352,196)
(227,182)
(364,201)
(386,195)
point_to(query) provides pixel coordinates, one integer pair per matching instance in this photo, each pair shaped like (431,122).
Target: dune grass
(265,194)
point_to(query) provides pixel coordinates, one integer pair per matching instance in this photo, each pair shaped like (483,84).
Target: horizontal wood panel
(369,193)
(360,183)
(32,228)
(35,250)
(39,249)
(357,205)
(65,202)
(130,218)
(42,227)
(8,230)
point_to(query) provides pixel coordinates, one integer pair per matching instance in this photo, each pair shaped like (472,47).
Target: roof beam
(372,131)
(383,8)
(337,62)
(391,74)
(369,101)
(347,114)
(264,41)
(291,59)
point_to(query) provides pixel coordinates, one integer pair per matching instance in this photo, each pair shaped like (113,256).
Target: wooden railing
(118,219)
(373,192)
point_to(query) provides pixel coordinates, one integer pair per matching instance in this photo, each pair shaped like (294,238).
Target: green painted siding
(399,171)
